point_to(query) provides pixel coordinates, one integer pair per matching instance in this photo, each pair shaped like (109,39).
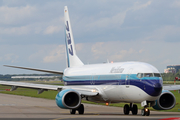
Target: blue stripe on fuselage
(151,85)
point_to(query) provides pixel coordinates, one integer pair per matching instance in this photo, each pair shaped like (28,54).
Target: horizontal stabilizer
(34,69)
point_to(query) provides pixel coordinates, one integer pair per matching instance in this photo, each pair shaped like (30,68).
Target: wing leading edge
(85,91)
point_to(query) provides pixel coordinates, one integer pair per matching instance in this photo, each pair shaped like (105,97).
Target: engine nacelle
(165,101)
(68,99)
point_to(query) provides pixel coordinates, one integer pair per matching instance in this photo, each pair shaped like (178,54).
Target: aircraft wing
(34,69)
(171,87)
(85,91)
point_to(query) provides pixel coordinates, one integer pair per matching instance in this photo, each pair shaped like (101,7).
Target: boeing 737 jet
(128,82)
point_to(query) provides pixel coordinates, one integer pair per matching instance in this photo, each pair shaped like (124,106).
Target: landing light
(93,90)
(146,109)
(107,104)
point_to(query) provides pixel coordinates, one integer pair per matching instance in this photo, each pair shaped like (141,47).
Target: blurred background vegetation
(170,76)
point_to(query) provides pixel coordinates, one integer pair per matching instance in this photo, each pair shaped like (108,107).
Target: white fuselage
(117,82)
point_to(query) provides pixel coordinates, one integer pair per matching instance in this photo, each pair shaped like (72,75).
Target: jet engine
(68,99)
(165,101)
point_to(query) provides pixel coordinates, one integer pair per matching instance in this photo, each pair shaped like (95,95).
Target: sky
(32,32)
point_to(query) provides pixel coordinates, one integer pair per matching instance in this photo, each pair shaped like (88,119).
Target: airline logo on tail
(68,35)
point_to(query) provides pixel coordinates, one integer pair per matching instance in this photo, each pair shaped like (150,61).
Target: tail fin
(72,58)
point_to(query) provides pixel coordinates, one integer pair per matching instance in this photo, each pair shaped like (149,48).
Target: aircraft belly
(125,93)
(114,93)
(119,93)
(136,94)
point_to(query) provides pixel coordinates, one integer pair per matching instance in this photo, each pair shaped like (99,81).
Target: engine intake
(165,101)
(68,99)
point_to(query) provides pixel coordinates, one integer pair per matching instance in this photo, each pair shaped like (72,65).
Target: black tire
(134,110)
(143,112)
(126,109)
(148,112)
(72,111)
(81,109)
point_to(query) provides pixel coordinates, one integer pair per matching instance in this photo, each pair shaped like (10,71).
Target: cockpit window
(140,75)
(148,74)
(157,75)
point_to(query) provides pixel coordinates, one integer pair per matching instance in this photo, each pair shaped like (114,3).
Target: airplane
(128,82)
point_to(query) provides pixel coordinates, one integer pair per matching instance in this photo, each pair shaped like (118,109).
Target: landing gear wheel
(148,113)
(81,109)
(126,109)
(72,111)
(134,110)
(145,112)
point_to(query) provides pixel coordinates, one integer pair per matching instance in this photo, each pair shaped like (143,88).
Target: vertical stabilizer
(72,58)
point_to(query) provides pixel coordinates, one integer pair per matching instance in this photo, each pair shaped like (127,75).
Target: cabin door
(94,79)
(128,76)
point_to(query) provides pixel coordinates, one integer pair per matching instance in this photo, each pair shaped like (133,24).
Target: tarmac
(27,108)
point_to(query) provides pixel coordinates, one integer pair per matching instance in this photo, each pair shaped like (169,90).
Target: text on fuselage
(68,36)
(116,70)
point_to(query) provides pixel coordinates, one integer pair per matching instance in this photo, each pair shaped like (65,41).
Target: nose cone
(157,88)
(153,87)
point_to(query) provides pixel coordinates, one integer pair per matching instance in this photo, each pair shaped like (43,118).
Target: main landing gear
(80,110)
(133,108)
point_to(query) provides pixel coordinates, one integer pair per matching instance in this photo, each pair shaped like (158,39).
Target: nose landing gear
(145,112)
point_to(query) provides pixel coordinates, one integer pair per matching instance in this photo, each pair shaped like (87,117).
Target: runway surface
(21,107)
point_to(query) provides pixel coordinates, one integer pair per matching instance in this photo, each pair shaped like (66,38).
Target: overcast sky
(32,32)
